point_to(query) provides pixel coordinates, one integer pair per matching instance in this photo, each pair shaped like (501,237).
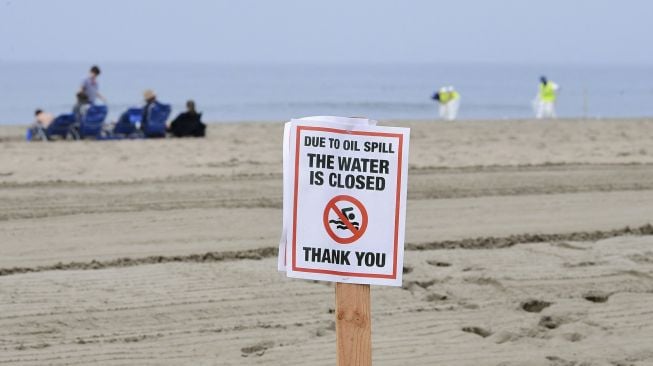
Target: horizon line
(329,63)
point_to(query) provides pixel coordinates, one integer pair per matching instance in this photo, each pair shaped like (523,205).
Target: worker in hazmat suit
(544,103)
(449,102)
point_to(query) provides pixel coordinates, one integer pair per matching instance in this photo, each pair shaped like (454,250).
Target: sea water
(276,92)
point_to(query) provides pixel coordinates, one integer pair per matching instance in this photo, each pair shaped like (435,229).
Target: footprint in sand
(643,258)
(557,361)
(434,297)
(582,264)
(331,327)
(552,322)
(597,296)
(410,285)
(478,331)
(566,246)
(257,349)
(484,281)
(438,263)
(534,306)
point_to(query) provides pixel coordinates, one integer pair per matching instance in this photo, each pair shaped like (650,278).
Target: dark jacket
(188,124)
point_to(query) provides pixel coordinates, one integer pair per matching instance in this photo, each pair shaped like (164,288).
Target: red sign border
(400,137)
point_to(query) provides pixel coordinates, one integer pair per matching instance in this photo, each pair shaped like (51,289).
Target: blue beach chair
(127,125)
(61,127)
(155,126)
(92,122)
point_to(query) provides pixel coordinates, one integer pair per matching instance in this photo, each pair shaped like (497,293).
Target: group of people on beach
(189,123)
(543,105)
(186,124)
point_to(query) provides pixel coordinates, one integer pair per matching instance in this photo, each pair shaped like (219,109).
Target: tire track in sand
(267,252)
(32,200)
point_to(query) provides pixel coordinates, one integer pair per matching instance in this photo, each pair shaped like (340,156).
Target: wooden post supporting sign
(353,325)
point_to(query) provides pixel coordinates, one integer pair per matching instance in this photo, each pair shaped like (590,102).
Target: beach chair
(92,122)
(61,126)
(155,126)
(127,125)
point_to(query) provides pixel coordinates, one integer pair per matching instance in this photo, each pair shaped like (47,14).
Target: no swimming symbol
(345,219)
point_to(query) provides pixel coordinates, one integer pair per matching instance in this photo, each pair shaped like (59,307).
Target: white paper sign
(346,122)
(344,200)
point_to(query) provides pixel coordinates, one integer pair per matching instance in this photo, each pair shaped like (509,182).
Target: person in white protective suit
(449,102)
(544,103)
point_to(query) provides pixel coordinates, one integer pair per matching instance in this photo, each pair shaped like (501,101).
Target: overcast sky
(304,31)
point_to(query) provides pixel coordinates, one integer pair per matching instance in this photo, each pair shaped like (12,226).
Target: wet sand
(528,243)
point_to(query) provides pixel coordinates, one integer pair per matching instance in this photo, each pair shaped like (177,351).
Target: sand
(528,243)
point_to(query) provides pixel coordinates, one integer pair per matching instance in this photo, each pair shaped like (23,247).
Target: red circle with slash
(345,220)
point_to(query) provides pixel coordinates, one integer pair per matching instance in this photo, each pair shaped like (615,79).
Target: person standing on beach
(546,98)
(449,100)
(81,106)
(453,104)
(90,86)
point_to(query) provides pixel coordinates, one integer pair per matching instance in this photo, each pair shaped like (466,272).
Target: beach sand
(527,243)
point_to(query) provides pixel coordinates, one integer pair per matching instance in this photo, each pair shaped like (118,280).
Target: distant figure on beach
(81,106)
(90,86)
(150,102)
(188,123)
(41,122)
(449,101)
(147,122)
(544,103)
(42,118)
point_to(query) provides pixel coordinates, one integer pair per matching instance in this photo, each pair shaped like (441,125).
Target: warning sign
(346,187)
(340,217)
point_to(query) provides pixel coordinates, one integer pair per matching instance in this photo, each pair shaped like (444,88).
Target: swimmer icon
(345,219)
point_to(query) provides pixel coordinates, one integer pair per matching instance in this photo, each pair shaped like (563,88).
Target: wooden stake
(353,325)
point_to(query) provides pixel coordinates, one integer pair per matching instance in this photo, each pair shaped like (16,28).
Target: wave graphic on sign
(341,225)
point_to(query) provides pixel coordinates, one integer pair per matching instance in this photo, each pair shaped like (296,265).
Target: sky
(334,31)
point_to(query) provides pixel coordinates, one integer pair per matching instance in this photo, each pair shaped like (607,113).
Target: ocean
(271,92)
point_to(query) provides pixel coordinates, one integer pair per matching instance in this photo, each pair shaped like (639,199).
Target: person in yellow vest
(546,98)
(449,100)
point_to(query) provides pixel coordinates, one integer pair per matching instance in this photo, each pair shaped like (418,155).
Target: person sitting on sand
(150,102)
(41,122)
(43,119)
(188,123)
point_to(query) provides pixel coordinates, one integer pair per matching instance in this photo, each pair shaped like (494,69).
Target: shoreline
(227,150)
(15,132)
